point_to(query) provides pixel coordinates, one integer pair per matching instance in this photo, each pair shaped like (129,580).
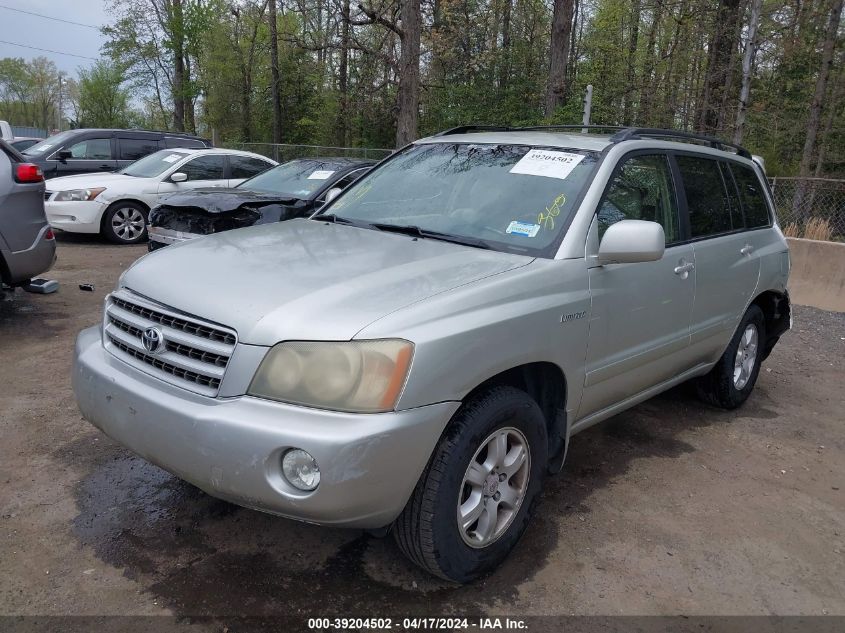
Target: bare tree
(747,65)
(722,45)
(274,74)
(559,54)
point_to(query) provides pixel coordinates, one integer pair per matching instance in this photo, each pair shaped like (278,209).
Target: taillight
(49,235)
(27,172)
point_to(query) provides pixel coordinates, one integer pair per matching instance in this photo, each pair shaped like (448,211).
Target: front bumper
(75,217)
(164,237)
(232,447)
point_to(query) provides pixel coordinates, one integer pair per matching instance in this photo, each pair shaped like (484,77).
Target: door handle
(683,269)
(746,250)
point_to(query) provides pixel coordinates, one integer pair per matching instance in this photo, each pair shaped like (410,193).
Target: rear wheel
(475,498)
(732,379)
(125,222)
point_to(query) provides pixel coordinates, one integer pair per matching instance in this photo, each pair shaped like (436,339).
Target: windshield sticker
(525,229)
(541,162)
(547,218)
(320,174)
(172,158)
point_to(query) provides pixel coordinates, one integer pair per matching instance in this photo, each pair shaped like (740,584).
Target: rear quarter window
(751,196)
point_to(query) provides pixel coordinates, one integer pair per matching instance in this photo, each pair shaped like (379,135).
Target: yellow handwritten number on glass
(547,218)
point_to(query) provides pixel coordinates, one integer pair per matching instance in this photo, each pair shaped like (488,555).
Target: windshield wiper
(435,235)
(337,219)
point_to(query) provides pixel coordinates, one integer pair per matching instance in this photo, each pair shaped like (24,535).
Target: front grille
(175,322)
(193,354)
(47,195)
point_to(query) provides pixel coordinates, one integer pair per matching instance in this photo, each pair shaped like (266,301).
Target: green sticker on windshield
(547,218)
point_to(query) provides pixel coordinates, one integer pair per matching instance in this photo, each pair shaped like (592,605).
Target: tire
(125,222)
(428,532)
(730,382)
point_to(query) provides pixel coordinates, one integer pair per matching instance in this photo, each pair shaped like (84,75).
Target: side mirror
(632,241)
(333,193)
(179,177)
(63,155)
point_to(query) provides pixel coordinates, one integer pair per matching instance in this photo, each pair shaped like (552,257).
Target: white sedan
(116,204)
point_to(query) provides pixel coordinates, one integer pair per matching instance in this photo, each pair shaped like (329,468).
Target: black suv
(90,150)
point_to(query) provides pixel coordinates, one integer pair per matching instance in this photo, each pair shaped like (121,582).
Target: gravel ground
(669,508)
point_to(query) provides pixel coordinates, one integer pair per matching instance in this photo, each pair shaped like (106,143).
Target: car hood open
(219,200)
(307,279)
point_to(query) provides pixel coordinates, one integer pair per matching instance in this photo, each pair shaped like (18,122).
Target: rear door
(640,321)
(726,269)
(91,154)
(132,148)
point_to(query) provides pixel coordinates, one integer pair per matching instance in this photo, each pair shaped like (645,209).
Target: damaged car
(292,190)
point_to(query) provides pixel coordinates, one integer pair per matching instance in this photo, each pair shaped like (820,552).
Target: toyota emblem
(153,339)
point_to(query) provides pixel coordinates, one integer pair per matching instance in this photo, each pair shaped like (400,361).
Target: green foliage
(103,101)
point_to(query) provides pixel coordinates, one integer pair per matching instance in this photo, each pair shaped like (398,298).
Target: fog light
(300,469)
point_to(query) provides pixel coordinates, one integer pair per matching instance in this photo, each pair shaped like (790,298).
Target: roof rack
(632,133)
(168,132)
(464,129)
(620,134)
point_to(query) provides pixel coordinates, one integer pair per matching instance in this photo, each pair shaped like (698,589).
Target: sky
(40,32)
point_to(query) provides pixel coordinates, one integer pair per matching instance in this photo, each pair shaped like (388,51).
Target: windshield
(296,179)
(515,198)
(154,164)
(49,144)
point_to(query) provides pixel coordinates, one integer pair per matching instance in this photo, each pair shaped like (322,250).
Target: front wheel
(732,379)
(125,222)
(475,498)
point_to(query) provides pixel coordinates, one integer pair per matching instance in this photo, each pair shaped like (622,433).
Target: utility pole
(60,117)
(588,106)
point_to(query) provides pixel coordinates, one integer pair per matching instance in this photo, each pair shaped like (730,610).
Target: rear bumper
(75,217)
(232,447)
(21,266)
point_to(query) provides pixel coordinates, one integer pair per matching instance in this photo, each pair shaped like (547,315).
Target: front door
(639,328)
(203,171)
(88,156)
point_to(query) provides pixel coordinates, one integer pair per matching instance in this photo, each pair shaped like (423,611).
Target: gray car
(418,354)
(27,245)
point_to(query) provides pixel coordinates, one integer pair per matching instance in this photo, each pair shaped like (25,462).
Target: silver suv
(418,354)
(27,245)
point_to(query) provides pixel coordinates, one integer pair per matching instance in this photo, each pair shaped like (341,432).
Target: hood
(218,200)
(305,279)
(84,181)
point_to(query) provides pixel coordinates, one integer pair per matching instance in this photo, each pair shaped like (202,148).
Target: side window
(135,148)
(92,149)
(707,199)
(246,167)
(641,189)
(752,197)
(204,168)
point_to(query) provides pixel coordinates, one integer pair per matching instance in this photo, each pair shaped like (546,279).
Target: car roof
(593,142)
(215,150)
(574,138)
(338,161)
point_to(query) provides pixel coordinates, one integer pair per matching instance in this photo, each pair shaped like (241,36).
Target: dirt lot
(670,508)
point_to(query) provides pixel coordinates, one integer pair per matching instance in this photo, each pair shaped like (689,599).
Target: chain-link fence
(282,152)
(810,207)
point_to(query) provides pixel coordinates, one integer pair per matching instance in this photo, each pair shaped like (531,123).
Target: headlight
(357,376)
(78,195)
